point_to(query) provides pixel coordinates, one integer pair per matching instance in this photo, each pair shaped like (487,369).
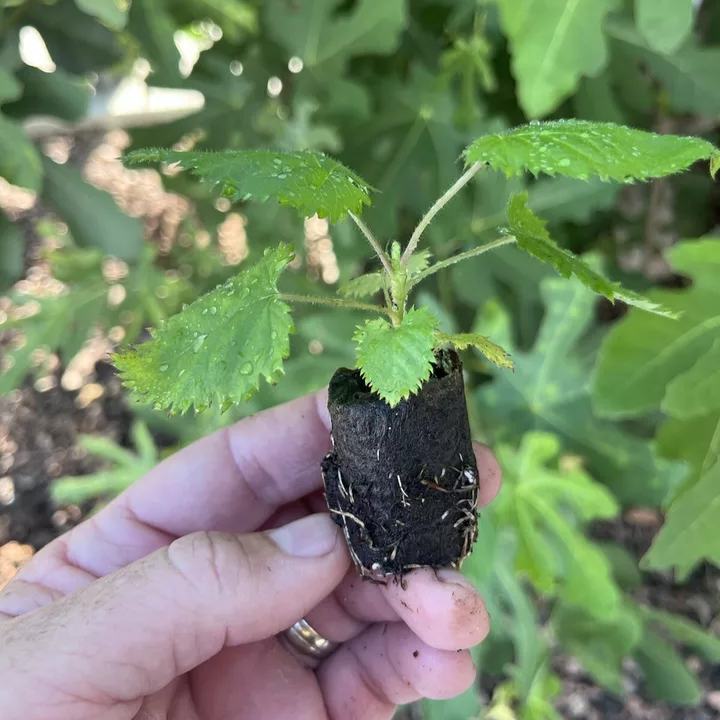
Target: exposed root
(405,496)
(341,484)
(346,514)
(435,486)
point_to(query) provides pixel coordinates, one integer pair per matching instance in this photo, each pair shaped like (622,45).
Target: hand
(166,604)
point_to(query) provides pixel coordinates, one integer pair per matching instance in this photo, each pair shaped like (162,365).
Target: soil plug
(402,481)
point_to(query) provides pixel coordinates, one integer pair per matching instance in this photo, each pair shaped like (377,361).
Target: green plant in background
(125,467)
(677,372)
(396,90)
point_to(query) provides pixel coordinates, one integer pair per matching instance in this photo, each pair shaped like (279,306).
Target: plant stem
(440,203)
(463,256)
(365,230)
(335,302)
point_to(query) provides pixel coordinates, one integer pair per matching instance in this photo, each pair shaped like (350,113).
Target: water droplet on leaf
(163,368)
(246,368)
(199,342)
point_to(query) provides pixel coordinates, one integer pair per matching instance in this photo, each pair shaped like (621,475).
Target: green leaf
(12,251)
(697,391)
(470,61)
(73,264)
(62,324)
(462,707)
(372,283)
(217,349)
(92,216)
(107,11)
(694,440)
(510,275)
(76,41)
(395,361)
(562,199)
(624,565)
(19,159)
(531,235)
(666,676)
(547,503)
(530,645)
(553,44)
(150,22)
(558,199)
(446,321)
(665,24)
(579,149)
(58,94)
(689,76)
(363,286)
(489,349)
(415,145)
(126,467)
(310,182)
(302,132)
(419,261)
(10,88)
(690,530)
(642,354)
(596,99)
(600,646)
(685,632)
(237,18)
(549,391)
(321,35)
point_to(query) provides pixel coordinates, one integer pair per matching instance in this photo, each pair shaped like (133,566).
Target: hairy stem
(365,230)
(440,203)
(463,256)
(335,302)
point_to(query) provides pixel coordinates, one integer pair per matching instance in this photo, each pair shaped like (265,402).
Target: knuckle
(221,561)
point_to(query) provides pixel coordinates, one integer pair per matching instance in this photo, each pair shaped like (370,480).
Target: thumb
(130,633)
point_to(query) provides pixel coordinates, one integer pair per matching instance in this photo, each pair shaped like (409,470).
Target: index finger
(232,481)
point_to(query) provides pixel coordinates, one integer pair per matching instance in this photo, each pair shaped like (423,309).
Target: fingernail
(449,576)
(322,407)
(311,536)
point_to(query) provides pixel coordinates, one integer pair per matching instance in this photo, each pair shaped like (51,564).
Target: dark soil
(39,432)
(402,482)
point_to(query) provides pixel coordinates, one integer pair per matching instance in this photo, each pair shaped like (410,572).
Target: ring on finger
(303,638)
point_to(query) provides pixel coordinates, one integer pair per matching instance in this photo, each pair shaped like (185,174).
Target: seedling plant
(401,479)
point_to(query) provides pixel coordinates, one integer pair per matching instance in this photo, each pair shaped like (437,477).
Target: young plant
(401,479)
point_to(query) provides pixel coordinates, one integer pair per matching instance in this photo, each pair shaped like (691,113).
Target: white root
(405,496)
(345,514)
(343,490)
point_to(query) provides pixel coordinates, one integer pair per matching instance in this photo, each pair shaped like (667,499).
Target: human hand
(167,603)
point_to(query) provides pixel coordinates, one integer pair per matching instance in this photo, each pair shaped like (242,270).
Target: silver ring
(308,641)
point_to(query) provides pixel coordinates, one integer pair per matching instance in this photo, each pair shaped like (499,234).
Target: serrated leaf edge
(118,360)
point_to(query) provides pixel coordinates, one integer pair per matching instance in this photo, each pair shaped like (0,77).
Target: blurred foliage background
(93,255)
